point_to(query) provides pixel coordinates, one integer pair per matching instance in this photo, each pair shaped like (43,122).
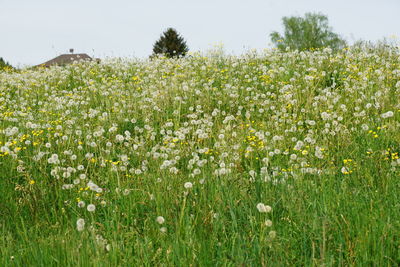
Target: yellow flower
(32,182)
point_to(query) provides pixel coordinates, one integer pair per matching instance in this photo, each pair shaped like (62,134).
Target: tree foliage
(170,44)
(4,65)
(305,33)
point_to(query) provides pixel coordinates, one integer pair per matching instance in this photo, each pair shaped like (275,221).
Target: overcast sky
(34,31)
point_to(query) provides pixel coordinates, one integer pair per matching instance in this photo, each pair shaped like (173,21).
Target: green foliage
(310,32)
(4,65)
(170,44)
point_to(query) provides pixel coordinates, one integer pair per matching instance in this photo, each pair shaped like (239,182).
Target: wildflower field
(264,159)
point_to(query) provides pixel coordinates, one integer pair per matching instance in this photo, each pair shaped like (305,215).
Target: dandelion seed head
(80,224)
(263,208)
(188,185)
(272,234)
(268,223)
(91,207)
(160,219)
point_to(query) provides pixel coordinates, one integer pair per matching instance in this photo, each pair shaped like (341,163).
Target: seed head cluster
(94,133)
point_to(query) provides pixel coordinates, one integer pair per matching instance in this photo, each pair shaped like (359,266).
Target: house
(65,59)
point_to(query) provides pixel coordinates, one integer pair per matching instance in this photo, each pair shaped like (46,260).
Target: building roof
(65,59)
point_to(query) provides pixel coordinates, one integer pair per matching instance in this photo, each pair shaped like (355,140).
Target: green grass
(231,127)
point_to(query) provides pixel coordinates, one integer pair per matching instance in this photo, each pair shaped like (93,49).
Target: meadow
(265,159)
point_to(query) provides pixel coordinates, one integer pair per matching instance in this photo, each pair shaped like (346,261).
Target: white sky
(34,31)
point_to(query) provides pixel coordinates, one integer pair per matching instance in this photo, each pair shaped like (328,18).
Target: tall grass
(273,159)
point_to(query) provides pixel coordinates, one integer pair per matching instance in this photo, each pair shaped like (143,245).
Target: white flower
(268,223)
(263,208)
(387,114)
(112,129)
(325,115)
(163,229)
(365,127)
(81,204)
(53,159)
(92,186)
(80,224)
(318,152)
(160,219)
(91,207)
(124,158)
(272,234)
(188,185)
(119,138)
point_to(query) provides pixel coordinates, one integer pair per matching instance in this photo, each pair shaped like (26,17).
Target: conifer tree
(170,44)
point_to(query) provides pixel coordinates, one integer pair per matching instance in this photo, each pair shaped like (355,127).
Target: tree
(4,65)
(307,33)
(170,44)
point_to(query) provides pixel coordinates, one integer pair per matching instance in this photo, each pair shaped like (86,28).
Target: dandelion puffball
(188,185)
(263,208)
(91,207)
(80,224)
(268,223)
(160,219)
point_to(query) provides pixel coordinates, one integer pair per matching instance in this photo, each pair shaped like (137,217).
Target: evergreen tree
(170,44)
(307,33)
